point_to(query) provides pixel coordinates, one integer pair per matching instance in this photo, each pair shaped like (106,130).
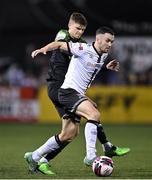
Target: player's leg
(33,158)
(73,100)
(52,88)
(70,130)
(92,114)
(53,145)
(79,104)
(109,149)
(67,132)
(87,110)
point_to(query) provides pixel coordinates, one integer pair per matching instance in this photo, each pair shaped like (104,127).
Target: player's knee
(95,115)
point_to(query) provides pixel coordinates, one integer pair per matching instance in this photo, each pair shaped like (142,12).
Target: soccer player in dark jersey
(58,66)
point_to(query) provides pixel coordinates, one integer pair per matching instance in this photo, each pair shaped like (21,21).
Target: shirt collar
(96,49)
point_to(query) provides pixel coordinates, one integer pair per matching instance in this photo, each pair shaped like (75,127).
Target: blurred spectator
(14,76)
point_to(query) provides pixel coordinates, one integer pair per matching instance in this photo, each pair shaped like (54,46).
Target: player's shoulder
(62,35)
(87,45)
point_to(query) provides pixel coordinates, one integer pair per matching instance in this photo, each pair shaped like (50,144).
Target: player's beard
(106,49)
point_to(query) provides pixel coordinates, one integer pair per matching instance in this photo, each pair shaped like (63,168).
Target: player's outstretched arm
(113,65)
(51,46)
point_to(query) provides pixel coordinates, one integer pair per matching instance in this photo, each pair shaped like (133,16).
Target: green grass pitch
(16,139)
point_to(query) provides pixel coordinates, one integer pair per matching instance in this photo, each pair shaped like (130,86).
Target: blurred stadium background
(29,24)
(124,98)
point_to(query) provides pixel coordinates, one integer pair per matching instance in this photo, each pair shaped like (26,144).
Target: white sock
(46,148)
(43,160)
(91,137)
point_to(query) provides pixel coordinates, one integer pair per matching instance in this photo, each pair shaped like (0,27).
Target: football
(103,166)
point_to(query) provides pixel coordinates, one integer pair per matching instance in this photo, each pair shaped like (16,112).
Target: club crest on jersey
(80,47)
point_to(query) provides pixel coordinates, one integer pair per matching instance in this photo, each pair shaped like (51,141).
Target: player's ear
(69,24)
(97,38)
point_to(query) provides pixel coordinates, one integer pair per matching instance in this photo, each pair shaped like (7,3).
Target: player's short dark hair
(104,29)
(79,18)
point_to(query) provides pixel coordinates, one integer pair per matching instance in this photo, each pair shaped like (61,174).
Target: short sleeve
(61,35)
(77,48)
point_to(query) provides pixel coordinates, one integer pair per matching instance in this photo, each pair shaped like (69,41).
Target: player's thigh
(70,99)
(87,110)
(74,102)
(53,95)
(52,89)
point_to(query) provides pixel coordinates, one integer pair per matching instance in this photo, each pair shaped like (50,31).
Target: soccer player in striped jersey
(86,62)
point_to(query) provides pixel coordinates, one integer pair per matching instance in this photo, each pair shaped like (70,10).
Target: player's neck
(97,48)
(74,38)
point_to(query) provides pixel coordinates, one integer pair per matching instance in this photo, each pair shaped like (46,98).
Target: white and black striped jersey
(86,62)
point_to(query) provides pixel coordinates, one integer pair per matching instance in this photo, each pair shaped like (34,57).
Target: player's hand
(38,51)
(113,65)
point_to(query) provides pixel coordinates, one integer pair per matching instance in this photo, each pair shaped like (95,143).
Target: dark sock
(54,153)
(100,132)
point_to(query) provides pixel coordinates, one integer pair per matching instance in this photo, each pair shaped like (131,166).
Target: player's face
(105,42)
(76,30)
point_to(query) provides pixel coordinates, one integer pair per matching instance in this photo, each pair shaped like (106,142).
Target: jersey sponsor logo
(94,65)
(91,64)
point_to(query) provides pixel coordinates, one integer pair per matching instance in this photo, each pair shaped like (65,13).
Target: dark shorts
(70,99)
(53,88)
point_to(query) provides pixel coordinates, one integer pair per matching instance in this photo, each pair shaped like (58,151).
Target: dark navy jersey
(59,60)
